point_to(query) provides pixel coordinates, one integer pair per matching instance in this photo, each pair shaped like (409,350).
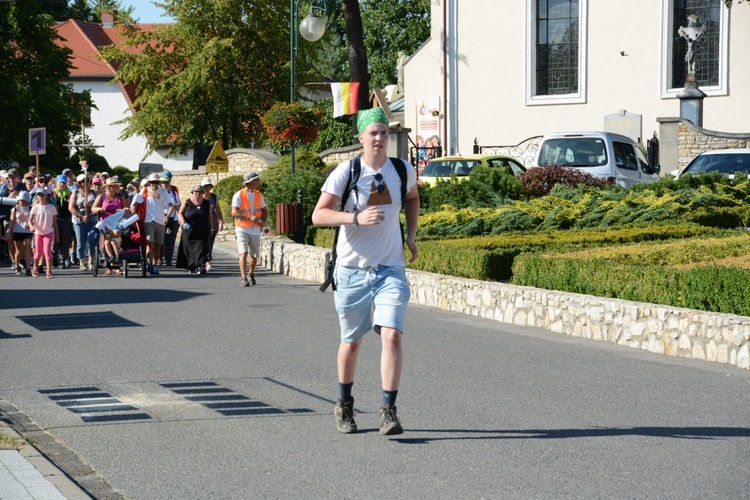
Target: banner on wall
(428,128)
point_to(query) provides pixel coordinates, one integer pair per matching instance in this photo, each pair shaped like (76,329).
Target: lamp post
(312,28)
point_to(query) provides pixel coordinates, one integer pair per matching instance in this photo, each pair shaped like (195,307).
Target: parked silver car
(723,161)
(613,157)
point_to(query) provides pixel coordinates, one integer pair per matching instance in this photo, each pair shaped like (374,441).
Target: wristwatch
(355,221)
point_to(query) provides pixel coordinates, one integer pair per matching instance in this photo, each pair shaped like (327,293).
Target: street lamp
(312,28)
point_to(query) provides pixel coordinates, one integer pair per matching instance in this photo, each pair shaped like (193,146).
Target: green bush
(720,204)
(491,257)
(485,187)
(304,160)
(707,288)
(280,186)
(225,190)
(334,132)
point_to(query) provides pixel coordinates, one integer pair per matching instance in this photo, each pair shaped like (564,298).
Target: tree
(210,76)
(32,68)
(392,26)
(356,52)
(374,32)
(86,10)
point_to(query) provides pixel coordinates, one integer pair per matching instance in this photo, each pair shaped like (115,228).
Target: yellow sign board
(217,161)
(216,168)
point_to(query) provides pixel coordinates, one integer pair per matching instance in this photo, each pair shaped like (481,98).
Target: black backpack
(355,169)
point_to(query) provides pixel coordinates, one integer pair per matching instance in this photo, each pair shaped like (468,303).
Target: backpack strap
(355,169)
(401,171)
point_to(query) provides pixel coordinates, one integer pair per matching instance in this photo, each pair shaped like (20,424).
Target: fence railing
(525,151)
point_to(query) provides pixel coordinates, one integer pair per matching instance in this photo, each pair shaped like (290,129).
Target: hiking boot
(389,422)
(244,282)
(252,279)
(344,413)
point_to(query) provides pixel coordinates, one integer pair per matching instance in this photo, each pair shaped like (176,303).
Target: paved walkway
(26,474)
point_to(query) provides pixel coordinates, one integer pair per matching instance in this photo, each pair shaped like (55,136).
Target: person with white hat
(19,230)
(159,210)
(217,216)
(106,204)
(250,214)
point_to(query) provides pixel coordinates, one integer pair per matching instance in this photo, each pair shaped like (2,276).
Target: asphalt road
(182,386)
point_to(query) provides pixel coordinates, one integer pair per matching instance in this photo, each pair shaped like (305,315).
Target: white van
(613,157)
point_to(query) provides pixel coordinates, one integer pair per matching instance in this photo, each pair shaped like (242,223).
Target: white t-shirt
(378,245)
(157,203)
(237,203)
(175,198)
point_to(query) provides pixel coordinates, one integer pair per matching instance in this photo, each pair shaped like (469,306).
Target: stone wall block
(698,351)
(743,357)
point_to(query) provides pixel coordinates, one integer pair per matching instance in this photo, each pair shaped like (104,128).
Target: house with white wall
(113,102)
(501,71)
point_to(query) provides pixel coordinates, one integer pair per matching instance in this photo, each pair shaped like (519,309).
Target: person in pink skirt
(42,221)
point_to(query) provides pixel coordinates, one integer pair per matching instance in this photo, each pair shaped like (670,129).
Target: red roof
(85,39)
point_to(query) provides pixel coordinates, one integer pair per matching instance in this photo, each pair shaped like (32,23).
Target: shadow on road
(666,432)
(30,299)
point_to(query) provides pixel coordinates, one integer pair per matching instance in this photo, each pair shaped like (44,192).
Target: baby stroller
(125,234)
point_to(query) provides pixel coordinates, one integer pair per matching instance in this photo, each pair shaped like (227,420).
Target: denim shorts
(370,298)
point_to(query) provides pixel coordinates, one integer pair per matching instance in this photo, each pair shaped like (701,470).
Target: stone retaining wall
(682,140)
(694,140)
(672,331)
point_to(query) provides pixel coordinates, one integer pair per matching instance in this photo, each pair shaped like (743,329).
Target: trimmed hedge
(676,253)
(491,257)
(707,288)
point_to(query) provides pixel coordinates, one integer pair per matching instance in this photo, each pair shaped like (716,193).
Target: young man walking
(250,214)
(371,290)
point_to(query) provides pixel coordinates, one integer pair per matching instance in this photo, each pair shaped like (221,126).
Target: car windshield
(725,163)
(573,151)
(446,168)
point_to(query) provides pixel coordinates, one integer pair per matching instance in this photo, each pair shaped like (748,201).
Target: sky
(146,12)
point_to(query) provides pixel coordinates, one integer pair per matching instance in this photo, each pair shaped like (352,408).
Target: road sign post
(217,160)
(37,144)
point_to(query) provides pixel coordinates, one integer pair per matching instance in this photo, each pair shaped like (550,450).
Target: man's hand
(371,216)
(413,249)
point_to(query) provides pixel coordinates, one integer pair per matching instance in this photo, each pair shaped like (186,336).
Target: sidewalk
(26,474)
